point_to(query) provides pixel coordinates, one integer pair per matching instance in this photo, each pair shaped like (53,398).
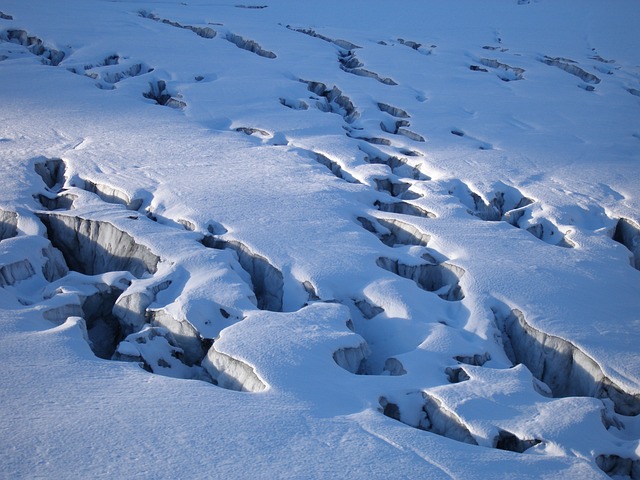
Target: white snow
(330,248)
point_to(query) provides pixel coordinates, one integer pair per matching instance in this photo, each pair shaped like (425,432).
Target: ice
(8,224)
(12,273)
(628,234)
(560,364)
(157,350)
(352,359)
(131,308)
(183,331)
(335,255)
(231,373)
(112,195)
(93,247)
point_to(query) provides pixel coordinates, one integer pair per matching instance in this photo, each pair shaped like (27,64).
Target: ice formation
(335,254)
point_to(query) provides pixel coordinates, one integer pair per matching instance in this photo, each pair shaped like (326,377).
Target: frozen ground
(333,240)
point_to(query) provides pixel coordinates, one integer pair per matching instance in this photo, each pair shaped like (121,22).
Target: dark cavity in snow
(343,44)
(570,67)
(418,47)
(440,279)
(475,360)
(399,166)
(103,326)
(112,195)
(410,135)
(53,268)
(601,60)
(231,373)
(14,272)
(395,189)
(511,206)
(350,64)
(253,131)
(333,101)
(8,224)
(506,73)
(456,374)
(249,45)
(403,208)
(409,43)
(294,104)
(157,351)
(410,153)
(93,247)
(52,171)
(562,366)
(549,233)
(389,409)
(393,127)
(433,417)
(332,165)
(499,205)
(397,233)
(50,56)
(112,77)
(371,140)
(353,359)
(159,93)
(267,281)
(204,32)
(368,309)
(367,224)
(627,233)
(110,60)
(117,322)
(619,467)
(508,441)
(56,202)
(393,367)
(108,72)
(311,291)
(393,111)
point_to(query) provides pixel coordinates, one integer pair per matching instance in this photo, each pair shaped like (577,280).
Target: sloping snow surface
(364,239)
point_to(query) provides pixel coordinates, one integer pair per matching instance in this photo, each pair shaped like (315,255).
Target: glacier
(365,240)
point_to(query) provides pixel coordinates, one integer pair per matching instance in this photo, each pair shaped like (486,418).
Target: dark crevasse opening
(103,327)
(562,366)
(267,281)
(627,233)
(93,247)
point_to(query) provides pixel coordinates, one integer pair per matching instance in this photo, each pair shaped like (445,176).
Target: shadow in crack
(93,247)
(561,365)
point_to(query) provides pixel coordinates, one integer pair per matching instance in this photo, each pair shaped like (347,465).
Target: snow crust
(365,240)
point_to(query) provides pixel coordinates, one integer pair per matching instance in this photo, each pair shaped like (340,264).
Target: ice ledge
(232,373)
(566,369)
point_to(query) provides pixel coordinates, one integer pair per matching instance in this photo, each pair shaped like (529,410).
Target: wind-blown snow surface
(345,239)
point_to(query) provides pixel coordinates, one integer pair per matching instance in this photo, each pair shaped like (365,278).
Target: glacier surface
(365,240)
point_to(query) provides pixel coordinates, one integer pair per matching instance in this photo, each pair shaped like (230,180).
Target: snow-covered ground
(342,239)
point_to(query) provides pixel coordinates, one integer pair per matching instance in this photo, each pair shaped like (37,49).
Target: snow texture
(335,255)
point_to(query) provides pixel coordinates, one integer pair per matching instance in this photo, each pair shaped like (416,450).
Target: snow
(341,240)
